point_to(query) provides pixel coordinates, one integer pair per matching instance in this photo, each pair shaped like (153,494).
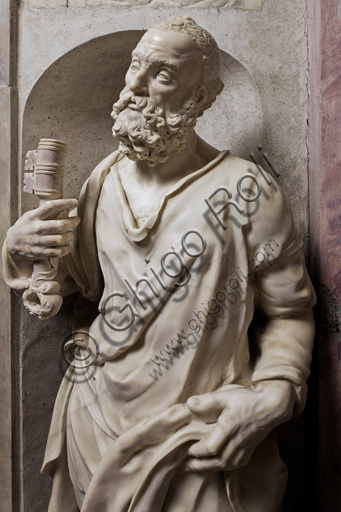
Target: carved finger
(235,453)
(211,463)
(56,240)
(50,227)
(202,404)
(211,445)
(238,458)
(51,209)
(56,252)
(224,461)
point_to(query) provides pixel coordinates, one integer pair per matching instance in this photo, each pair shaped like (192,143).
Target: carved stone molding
(244,5)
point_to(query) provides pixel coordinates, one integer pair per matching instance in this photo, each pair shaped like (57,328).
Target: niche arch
(72,101)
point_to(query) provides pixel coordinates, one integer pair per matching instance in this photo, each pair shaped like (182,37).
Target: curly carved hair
(209,48)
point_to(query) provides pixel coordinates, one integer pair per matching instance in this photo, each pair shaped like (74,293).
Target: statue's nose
(138,84)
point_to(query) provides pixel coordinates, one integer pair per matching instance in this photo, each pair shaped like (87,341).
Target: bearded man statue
(177,411)
(157,136)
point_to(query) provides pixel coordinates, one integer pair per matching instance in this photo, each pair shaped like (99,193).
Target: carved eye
(135,66)
(164,76)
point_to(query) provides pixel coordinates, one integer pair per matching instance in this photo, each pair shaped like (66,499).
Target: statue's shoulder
(92,186)
(104,166)
(231,169)
(239,166)
(254,183)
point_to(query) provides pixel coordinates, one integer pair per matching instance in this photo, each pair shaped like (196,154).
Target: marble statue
(193,287)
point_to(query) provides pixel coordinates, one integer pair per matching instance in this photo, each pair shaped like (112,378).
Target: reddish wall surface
(331,144)
(324,39)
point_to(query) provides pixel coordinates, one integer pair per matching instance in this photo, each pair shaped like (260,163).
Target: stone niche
(72,61)
(72,99)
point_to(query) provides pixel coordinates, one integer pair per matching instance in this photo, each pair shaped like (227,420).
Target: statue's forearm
(285,346)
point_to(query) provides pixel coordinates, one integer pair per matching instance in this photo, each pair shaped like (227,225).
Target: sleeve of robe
(283,294)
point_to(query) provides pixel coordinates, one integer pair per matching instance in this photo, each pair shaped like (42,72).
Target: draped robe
(187,284)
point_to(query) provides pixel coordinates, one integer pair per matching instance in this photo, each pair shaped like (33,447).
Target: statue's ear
(201,96)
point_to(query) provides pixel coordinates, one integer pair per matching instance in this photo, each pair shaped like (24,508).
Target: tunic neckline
(135,233)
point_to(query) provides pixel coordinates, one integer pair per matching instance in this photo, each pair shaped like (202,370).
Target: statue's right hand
(40,234)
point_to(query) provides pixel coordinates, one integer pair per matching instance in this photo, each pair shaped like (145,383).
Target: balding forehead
(179,42)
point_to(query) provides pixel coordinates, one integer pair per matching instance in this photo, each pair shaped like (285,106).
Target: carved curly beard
(147,133)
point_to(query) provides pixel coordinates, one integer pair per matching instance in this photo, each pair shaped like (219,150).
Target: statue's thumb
(203,403)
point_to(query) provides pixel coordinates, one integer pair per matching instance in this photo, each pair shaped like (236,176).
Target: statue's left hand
(247,417)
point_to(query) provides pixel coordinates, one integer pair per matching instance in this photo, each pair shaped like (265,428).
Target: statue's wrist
(17,262)
(13,245)
(280,396)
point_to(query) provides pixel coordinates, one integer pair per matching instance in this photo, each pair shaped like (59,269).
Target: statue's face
(166,67)
(158,108)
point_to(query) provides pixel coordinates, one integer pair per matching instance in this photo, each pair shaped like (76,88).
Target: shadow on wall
(72,101)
